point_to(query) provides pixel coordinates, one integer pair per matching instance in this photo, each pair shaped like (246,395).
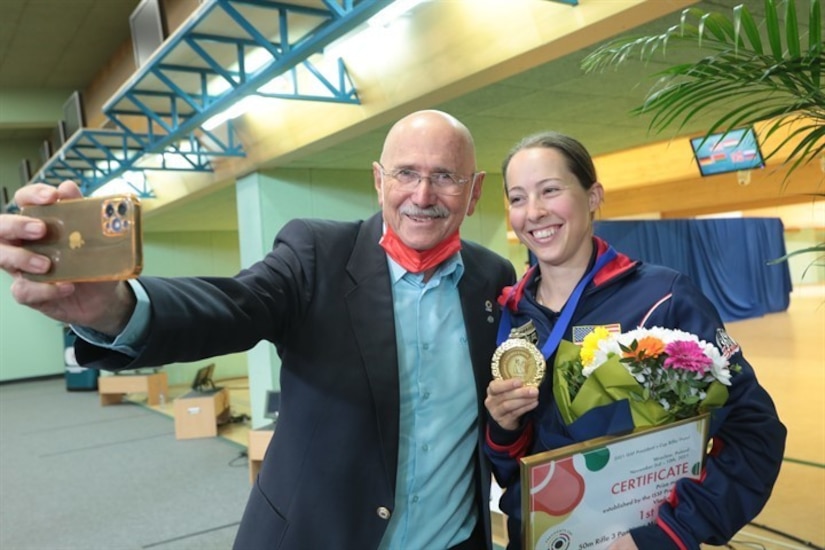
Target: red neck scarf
(418,261)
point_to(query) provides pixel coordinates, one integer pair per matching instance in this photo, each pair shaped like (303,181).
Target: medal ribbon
(552,342)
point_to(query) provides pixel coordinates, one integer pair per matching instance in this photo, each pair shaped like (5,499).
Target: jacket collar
(511,296)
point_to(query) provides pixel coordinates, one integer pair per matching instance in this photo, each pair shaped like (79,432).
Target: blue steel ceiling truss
(225,51)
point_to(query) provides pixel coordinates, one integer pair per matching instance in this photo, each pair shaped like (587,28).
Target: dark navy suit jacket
(323,297)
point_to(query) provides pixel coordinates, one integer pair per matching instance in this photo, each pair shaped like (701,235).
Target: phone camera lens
(116,225)
(122,208)
(110,210)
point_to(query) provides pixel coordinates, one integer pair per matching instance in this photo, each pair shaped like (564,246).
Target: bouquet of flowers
(664,374)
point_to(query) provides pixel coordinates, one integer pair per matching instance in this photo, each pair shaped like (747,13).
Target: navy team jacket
(748,437)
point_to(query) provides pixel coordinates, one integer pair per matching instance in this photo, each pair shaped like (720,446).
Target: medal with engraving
(518,358)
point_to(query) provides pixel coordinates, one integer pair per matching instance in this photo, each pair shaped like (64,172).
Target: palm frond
(816,248)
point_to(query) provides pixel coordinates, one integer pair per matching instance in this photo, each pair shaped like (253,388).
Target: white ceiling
(63,44)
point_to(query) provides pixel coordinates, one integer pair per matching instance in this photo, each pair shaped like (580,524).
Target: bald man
(385,328)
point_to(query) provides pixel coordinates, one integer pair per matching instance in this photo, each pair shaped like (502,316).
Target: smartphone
(90,239)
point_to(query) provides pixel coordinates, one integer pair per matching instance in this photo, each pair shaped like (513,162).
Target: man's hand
(508,400)
(105,307)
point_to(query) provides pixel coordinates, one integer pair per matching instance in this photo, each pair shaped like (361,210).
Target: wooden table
(198,414)
(112,389)
(258,443)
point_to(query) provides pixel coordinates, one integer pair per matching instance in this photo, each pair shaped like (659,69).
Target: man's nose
(424,192)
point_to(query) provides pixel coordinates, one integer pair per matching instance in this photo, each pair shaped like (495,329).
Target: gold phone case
(91,239)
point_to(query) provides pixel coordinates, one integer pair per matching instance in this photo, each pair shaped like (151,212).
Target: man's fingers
(14,228)
(14,259)
(14,231)
(34,294)
(36,193)
(41,193)
(69,190)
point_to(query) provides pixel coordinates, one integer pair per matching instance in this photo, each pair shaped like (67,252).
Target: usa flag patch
(580,332)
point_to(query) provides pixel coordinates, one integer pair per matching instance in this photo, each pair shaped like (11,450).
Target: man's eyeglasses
(444,183)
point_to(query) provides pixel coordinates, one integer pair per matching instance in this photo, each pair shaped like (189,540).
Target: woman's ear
(595,196)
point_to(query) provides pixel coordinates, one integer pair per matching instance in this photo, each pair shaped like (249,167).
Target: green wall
(11,153)
(30,344)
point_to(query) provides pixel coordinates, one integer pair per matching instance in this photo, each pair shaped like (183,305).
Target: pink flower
(687,355)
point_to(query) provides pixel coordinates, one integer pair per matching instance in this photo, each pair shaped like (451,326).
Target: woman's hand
(508,400)
(625,542)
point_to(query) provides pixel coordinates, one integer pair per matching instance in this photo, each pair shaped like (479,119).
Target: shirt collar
(450,269)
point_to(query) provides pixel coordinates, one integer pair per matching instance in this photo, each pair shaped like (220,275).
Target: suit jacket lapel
(480,320)
(370,305)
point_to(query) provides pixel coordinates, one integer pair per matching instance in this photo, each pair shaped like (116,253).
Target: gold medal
(518,358)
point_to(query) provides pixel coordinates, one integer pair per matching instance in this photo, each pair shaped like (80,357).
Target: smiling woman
(581,285)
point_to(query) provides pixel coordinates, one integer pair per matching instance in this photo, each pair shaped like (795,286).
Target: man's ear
(378,181)
(475,192)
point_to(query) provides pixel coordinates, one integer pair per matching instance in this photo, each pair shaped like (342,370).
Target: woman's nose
(535,209)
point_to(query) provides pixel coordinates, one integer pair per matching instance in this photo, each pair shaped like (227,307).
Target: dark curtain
(726,258)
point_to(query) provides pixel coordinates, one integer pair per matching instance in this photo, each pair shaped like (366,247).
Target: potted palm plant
(751,72)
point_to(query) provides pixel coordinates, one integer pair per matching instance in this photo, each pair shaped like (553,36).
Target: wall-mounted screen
(5,202)
(59,135)
(74,117)
(727,152)
(25,172)
(148,25)
(203,381)
(46,151)
(273,405)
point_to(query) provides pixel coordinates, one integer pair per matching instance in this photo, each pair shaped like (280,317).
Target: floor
(787,350)
(74,474)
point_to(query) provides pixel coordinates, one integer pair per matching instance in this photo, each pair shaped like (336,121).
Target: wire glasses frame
(444,183)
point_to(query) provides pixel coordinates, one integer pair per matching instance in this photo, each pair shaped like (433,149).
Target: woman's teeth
(544,233)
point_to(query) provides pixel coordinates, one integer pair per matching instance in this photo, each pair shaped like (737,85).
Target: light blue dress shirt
(129,341)
(434,499)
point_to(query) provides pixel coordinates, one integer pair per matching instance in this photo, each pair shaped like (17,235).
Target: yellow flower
(591,343)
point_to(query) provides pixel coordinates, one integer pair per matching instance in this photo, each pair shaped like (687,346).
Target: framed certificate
(589,494)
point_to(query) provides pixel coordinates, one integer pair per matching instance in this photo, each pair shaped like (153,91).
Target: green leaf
(817,248)
(792,29)
(744,19)
(773,29)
